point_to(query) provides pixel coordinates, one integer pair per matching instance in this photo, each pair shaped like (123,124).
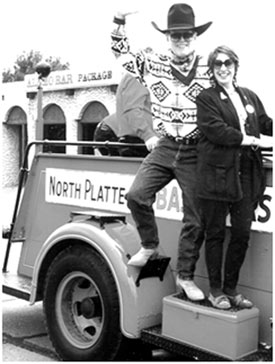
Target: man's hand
(151,143)
(250,140)
(122,15)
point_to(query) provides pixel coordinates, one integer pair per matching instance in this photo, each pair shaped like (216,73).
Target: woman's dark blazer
(219,147)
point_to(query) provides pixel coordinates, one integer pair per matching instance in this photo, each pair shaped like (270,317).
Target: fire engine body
(77,236)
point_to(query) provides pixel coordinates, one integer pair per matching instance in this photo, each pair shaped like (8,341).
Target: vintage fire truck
(77,235)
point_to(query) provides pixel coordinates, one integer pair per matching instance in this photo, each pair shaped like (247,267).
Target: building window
(15,139)
(54,128)
(92,115)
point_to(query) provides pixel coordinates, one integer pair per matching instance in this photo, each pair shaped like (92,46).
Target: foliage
(25,64)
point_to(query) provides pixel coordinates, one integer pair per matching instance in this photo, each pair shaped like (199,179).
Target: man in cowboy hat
(173,81)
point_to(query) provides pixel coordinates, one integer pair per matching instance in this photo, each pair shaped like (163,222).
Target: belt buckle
(179,139)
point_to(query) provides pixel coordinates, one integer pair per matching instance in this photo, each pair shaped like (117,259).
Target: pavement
(24,332)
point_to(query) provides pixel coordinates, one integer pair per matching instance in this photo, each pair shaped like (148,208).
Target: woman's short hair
(226,50)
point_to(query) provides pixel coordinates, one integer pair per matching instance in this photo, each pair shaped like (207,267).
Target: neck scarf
(183,61)
(185,79)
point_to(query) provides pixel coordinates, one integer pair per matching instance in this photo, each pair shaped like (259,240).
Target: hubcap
(80,312)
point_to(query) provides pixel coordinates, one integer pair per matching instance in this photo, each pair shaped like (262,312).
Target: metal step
(16,285)
(155,267)
(153,336)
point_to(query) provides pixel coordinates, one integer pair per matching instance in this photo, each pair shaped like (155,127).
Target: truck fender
(140,305)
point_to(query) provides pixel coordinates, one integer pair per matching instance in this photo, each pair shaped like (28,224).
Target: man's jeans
(167,161)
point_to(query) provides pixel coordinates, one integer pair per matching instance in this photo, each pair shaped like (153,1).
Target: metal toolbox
(231,334)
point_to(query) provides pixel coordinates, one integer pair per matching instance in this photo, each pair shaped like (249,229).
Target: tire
(81,306)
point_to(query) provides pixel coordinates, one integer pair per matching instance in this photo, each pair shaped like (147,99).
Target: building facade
(73,103)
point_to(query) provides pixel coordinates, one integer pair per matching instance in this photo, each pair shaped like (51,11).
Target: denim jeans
(167,161)
(241,215)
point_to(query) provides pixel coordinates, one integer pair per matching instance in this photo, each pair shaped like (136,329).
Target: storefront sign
(60,80)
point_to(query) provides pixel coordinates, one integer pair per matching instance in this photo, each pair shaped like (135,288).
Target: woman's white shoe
(189,287)
(141,257)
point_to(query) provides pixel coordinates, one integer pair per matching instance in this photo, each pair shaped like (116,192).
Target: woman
(231,176)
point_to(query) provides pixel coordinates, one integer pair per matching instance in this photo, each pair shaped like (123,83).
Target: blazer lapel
(251,125)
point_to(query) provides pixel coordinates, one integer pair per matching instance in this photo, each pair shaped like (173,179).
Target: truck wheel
(81,306)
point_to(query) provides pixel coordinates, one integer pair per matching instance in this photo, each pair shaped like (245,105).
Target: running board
(17,286)
(153,336)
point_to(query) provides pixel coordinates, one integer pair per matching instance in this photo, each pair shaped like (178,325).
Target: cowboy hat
(182,17)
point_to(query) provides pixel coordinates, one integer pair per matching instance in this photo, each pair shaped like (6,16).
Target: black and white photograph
(137,180)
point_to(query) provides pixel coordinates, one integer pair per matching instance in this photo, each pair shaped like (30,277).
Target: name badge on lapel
(249,108)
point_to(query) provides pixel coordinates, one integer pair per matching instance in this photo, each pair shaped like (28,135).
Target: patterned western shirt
(173,101)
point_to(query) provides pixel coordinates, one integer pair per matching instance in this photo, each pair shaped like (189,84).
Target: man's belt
(184,140)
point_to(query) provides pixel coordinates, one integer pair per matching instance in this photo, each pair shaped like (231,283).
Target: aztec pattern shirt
(173,94)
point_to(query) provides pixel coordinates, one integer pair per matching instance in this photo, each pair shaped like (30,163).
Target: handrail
(86,143)
(24,171)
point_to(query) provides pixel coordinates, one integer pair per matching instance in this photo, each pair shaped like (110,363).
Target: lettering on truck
(92,190)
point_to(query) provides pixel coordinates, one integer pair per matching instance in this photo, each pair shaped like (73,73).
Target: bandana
(185,79)
(183,61)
